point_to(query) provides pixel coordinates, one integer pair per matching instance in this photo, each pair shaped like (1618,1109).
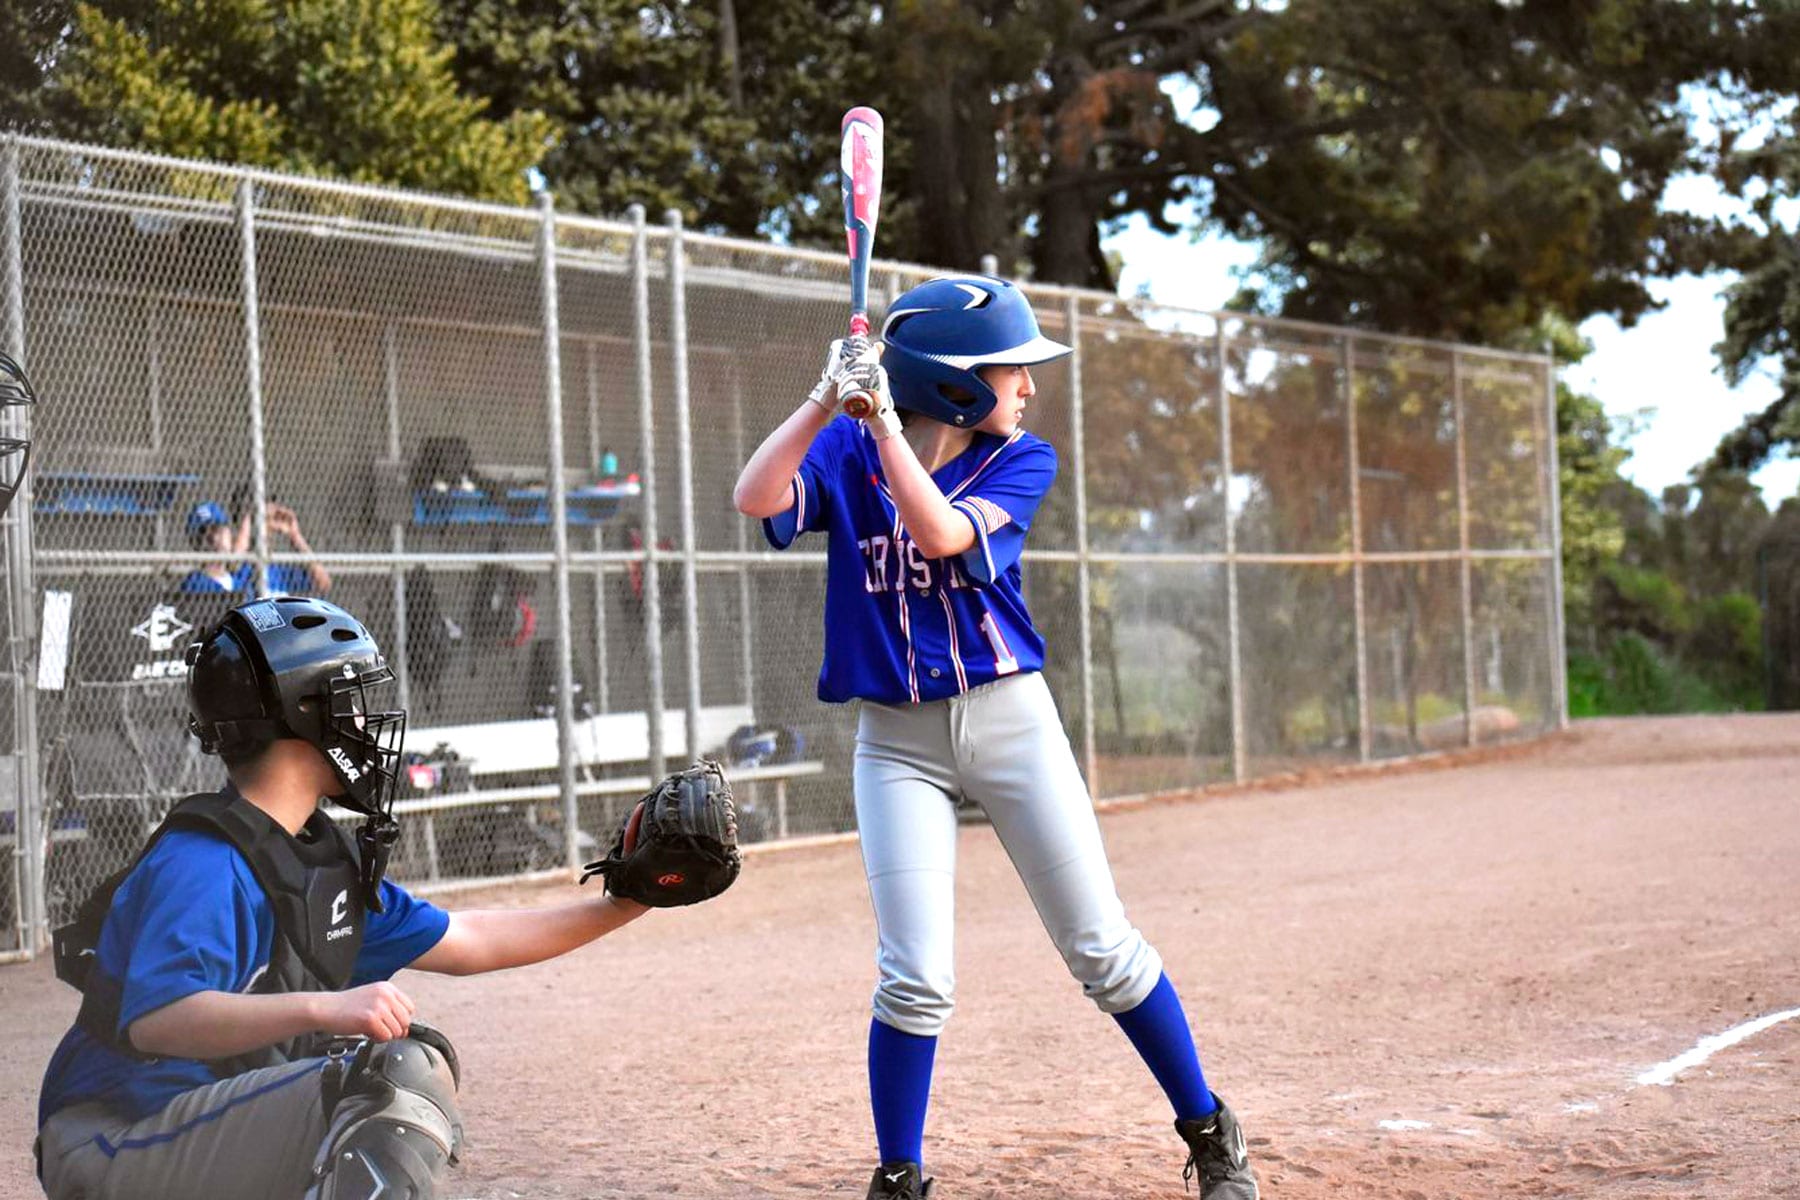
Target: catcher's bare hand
(374,1010)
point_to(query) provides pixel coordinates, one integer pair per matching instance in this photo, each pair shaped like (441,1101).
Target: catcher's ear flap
(632,824)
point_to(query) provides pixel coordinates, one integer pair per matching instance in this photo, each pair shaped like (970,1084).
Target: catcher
(239,1033)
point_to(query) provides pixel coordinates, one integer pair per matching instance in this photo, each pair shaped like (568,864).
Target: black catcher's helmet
(298,667)
(15,452)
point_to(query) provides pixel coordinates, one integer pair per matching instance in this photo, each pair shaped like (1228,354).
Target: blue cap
(204,516)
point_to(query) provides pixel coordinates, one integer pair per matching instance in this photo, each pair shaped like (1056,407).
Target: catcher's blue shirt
(192,918)
(901,628)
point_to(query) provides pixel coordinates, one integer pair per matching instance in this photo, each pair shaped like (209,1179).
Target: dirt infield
(1483,958)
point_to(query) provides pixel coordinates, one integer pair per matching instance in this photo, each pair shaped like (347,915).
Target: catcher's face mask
(363,744)
(16,397)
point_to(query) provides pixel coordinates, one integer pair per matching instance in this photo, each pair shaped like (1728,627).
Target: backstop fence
(506,439)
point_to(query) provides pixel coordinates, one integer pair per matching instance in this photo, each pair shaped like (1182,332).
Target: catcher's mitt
(678,845)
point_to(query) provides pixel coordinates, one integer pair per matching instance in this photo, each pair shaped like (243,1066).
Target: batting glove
(842,353)
(864,387)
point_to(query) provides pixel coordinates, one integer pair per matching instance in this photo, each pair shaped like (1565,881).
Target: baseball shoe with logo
(1217,1154)
(900,1181)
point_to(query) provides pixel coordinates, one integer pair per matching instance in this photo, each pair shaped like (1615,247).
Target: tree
(1778,588)
(1451,169)
(1593,526)
(345,87)
(1757,159)
(1762,325)
(728,113)
(1489,163)
(1706,534)
(31,32)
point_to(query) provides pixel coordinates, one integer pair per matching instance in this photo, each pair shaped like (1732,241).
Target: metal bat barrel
(859,169)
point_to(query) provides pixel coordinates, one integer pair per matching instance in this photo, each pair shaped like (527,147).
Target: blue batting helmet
(940,335)
(204,516)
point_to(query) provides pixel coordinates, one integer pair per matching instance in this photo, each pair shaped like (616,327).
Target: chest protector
(312,883)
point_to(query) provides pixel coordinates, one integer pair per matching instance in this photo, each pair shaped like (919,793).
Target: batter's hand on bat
(842,353)
(863,385)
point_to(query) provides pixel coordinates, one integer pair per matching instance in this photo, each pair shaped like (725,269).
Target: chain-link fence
(506,439)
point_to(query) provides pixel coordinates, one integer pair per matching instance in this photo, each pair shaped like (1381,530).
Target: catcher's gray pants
(261,1134)
(1003,747)
(253,1135)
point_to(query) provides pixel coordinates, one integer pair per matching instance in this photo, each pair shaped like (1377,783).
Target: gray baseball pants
(1001,746)
(252,1135)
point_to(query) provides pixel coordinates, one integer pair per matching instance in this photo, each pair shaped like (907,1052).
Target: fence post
(32,820)
(154,405)
(1356,549)
(259,476)
(596,452)
(746,610)
(390,362)
(1462,541)
(1553,465)
(1083,568)
(684,465)
(557,486)
(652,575)
(1240,752)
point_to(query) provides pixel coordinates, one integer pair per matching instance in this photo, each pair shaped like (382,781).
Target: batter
(926,504)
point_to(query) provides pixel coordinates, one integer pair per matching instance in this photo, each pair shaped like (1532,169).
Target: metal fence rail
(506,439)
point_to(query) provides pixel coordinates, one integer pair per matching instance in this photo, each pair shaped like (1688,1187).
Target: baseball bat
(859,167)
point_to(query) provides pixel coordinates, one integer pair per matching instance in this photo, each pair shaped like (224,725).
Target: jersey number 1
(1004,662)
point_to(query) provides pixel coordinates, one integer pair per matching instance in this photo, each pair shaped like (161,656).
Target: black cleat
(1216,1153)
(900,1181)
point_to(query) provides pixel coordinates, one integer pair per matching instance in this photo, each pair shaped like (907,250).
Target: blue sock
(1158,1028)
(899,1089)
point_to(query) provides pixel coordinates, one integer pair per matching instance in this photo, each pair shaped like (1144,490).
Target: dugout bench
(494,752)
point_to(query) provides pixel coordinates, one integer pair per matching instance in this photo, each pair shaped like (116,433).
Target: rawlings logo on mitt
(678,845)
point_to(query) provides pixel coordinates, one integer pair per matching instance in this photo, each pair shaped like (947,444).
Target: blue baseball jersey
(192,918)
(285,579)
(901,628)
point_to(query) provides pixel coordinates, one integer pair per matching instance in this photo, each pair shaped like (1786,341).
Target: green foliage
(1458,170)
(1762,314)
(1778,588)
(1656,589)
(728,112)
(1463,170)
(1660,648)
(1645,602)
(354,88)
(1636,677)
(1593,532)
(31,36)
(1726,648)
(1762,325)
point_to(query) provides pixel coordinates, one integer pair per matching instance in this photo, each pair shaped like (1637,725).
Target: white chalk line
(1663,1074)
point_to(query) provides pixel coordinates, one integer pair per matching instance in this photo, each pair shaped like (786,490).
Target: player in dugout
(210,528)
(239,1031)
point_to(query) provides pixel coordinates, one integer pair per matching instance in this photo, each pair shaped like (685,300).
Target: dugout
(378,342)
